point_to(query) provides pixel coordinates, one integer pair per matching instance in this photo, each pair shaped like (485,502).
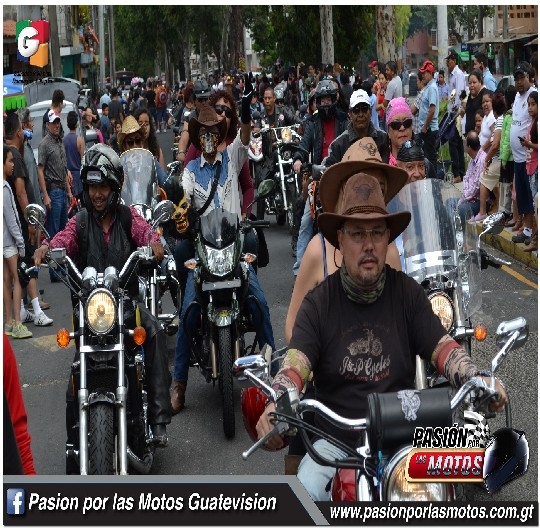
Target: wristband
(182,152)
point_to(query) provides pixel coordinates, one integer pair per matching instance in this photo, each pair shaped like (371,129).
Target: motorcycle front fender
(221,317)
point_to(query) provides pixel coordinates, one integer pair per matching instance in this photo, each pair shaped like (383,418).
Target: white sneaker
(28,317)
(42,320)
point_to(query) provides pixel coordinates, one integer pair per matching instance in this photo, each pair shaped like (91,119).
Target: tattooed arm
(294,372)
(451,360)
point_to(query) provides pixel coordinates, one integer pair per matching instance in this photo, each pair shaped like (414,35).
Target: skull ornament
(180,215)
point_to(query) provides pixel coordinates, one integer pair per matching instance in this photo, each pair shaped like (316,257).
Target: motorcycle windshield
(140,178)
(437,242)
(219,227)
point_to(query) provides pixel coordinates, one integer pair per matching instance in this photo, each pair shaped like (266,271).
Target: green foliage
(293,32)
(459,16)
(403,16)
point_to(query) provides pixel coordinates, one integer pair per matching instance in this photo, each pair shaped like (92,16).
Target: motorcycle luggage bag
(393,416)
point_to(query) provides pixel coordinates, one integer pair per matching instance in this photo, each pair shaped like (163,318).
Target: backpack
(162,97)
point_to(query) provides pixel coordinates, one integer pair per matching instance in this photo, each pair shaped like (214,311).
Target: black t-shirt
(115,109)
(357,349)
(20,171)
(151,98)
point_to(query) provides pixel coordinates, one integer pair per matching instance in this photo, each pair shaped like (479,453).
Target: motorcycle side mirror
(35,215)
(493,224)
(506,330)
(162,212)
(256,364)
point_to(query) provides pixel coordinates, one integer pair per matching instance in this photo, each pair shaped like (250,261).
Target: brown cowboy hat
(361,156)
(129,126)
(208,119)
(362,200)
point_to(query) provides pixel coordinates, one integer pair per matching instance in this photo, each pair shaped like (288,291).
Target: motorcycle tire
(226,379)
(291,200)
(101,459)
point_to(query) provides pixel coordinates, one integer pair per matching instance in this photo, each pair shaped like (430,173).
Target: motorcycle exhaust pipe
(141,466)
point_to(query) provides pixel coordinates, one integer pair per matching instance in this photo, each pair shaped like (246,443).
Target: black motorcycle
(221,274)
(108,379)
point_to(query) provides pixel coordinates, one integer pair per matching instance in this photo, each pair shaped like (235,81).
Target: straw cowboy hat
(207,119)
(362,156)
(129,126)
(362,200)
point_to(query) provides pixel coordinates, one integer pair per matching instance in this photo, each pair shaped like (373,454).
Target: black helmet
(201,89)
(101,164)
(326,88)
(506,458)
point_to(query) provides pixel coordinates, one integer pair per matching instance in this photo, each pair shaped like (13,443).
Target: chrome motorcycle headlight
(442,307)
(395,486)
(220,261)
(100,311)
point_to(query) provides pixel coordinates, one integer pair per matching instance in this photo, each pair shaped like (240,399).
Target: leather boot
(291,464)
(178,397)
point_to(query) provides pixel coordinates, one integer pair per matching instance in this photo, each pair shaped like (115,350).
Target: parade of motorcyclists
(355,321)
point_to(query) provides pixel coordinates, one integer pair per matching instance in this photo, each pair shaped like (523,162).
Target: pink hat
(397,106)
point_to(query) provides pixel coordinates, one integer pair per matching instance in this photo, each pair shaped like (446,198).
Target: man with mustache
(359,331)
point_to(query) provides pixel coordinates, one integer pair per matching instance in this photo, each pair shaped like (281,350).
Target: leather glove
(245,111)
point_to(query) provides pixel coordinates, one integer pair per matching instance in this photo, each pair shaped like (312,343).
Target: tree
(386,33)
(327,34)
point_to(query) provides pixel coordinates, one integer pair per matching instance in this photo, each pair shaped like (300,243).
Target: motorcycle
(374,471)
(221,274)
(285,142)
(108,379)
(442,253)
(141,191)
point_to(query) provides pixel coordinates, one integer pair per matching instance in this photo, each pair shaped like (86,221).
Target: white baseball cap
(53,116)
(360,96)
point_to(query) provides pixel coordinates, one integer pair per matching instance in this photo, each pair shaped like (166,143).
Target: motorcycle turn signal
(139,335)
(480,332)
(63,337)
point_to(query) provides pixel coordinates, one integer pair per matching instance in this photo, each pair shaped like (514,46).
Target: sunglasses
(131,142)
(396,125)
(222,108)
(360,109)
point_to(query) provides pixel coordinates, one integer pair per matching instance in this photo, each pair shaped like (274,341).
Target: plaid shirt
(471,180)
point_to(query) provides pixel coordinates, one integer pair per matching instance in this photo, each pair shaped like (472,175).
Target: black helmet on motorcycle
(101,164)
(506,458)
(326,88)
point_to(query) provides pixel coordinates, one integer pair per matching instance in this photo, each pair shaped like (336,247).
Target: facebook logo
(15,501)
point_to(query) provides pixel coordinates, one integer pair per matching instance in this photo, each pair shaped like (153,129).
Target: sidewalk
(503,242)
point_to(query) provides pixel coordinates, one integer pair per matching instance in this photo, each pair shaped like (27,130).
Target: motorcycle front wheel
(291,200)
(101,439)
(226,379)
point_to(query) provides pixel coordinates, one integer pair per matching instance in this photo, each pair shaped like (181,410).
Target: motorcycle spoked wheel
(225,358)
(101,444)
(291,200)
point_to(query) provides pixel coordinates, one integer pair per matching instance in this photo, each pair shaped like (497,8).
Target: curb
(503,242)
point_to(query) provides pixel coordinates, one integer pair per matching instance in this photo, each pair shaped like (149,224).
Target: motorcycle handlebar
(359,424)
(129,267)
(257,223)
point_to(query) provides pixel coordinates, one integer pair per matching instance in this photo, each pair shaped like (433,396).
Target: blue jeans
(304,236)
(57,216)
(524,197)
(265,334)
(315,477)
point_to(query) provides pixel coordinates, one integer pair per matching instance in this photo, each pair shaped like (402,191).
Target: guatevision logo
(33,42)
